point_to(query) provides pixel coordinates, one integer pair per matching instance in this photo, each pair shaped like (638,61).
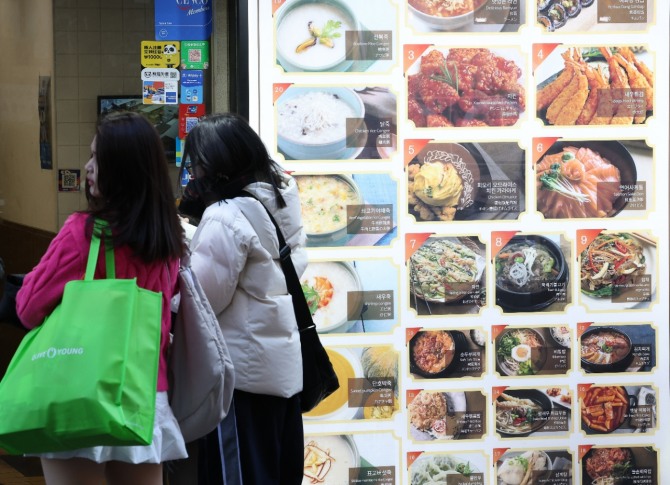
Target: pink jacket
(65,260)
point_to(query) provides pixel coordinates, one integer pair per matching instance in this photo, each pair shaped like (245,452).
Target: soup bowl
(320,123)
(447,22)
(339,294)
(328,458)
(299,50)
(614,355)
(539,296)
(421,347)
(325,217)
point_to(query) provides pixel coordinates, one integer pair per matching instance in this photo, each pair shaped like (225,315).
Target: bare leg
(73,471)
(120,473)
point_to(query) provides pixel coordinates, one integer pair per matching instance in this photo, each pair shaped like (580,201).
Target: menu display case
(484,191)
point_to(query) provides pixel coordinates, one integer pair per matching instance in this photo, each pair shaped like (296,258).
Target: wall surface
(89,48)
(97,47)
(27,193)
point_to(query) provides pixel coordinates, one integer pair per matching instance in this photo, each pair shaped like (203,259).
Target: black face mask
(192,204)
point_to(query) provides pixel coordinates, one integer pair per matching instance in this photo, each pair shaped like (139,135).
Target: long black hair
(135,189)
(226,154)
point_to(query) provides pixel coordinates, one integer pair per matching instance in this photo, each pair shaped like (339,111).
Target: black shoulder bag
(318,376)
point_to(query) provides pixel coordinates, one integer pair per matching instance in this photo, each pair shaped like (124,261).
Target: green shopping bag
(87,376)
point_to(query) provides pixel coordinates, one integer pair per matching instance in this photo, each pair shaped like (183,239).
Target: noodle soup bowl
(605,349)
(537,293)
(526,401)
(320,123)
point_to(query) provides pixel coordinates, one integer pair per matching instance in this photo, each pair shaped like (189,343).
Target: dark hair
(222,149)
(135,190)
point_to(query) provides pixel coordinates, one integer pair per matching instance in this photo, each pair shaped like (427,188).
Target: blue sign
(183,19)
(191,87)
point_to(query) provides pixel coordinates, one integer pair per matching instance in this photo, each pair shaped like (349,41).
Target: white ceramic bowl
(338,143)
(344,452)
(313,219)
(292,30)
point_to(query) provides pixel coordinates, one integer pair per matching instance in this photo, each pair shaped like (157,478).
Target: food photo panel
(576,179)
(464,181)
(532,466)
(352,296)
(447,275)
(616,348)
(447,16)
(618,270)
(532,413)
(532,271)
(334,122)
(348,209)
(439,415)
(620,465)
(369,386)
(563,16)
(427,467)
(617,409)
(464,87)
(445,354)
(596,86)
(532,351)
(334,459)
(335,35)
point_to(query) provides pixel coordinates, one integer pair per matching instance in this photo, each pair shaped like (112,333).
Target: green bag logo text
(53,352)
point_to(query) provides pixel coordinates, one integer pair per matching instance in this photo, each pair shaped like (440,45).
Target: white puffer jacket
(235,255)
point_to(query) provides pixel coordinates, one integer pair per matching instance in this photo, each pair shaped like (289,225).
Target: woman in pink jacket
(129,187)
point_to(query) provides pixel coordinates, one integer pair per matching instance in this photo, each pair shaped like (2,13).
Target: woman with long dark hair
(128,185)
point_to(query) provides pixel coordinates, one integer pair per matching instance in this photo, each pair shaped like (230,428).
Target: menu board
(484,192)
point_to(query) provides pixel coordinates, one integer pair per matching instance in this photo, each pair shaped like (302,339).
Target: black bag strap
(302,313)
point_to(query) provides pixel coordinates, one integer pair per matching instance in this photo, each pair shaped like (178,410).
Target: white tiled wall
(97,46)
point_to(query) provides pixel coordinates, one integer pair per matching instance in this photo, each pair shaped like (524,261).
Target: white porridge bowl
(339,288)
(293,30)
(312,123)
(340,450)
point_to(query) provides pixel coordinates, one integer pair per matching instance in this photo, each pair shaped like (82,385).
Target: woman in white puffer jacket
(235,255)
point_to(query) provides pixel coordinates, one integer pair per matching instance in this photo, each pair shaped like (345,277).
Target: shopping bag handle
(101,227)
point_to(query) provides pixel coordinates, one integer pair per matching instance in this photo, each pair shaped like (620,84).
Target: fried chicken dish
(467,87)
